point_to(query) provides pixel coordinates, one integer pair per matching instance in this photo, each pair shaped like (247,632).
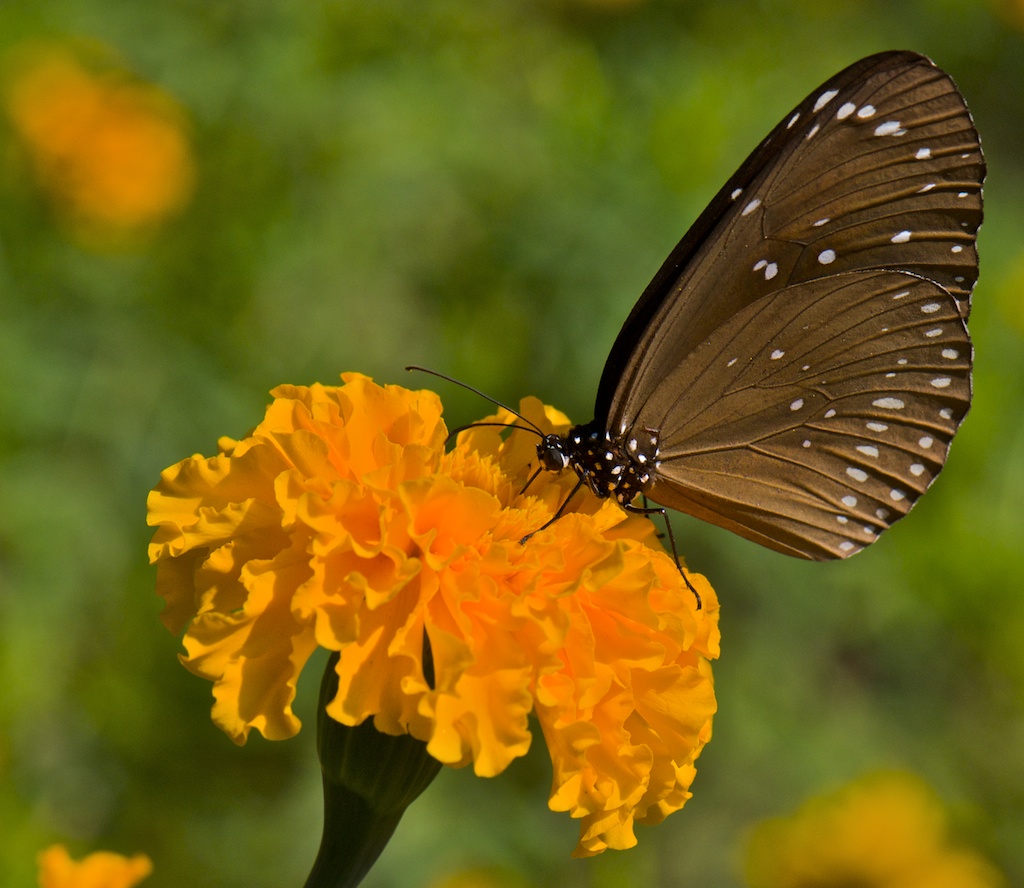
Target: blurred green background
(482,187)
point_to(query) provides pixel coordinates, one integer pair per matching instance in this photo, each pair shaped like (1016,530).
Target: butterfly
(797,368)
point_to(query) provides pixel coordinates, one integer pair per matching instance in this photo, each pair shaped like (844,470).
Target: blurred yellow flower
(482,877)
(111,153)
(340,521)
(102,869)
(887,830)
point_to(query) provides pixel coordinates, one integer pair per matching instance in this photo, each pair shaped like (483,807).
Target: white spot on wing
(829,413)
(750,207)
(867,449)
(849,501)
(797,404)
(901,237)
(930,308)
(866,111)
(821,222)
(812,132)
(778,353)
(847,546)
(925,188)
(890,128)
(825,98)
(897,495)
(950,354)
(926,442)
(923,154)
(916,469)
(845,110)
(941,382)
(826,257)
(793,120)
(736,193)
(877,426)
(856,474)
(888,403)
(770,270)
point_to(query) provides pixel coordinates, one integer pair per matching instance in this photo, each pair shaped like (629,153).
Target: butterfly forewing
(907,196)
(817,433)
(879,168)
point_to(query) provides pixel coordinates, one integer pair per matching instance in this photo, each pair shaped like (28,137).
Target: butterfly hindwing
(817,434)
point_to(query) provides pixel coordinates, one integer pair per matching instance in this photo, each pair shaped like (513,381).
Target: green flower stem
(370,779)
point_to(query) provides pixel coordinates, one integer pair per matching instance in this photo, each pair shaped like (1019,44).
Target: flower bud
(370,779)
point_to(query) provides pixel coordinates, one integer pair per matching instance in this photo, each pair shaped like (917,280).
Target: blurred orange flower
(111,153)
(340,521)
(102,869)
(1010,11)
(887,830)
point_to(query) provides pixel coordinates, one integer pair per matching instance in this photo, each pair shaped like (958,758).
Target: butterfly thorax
(618,467)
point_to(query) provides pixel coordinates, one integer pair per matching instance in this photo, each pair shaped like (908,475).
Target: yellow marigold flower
(112,153)
(341,522)
(887,830)
(102,869)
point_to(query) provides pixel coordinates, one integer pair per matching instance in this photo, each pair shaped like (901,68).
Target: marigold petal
(253,653)
(200,502)
(484,721)
(622,654)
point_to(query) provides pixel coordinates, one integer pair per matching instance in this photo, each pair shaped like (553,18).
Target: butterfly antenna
(533,426)
(497,425)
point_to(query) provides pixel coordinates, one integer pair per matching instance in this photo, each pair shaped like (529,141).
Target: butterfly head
(552,451)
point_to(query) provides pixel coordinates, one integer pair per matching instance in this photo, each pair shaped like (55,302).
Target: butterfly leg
(530,481)
(557,514)
(646,503)
(657,510)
